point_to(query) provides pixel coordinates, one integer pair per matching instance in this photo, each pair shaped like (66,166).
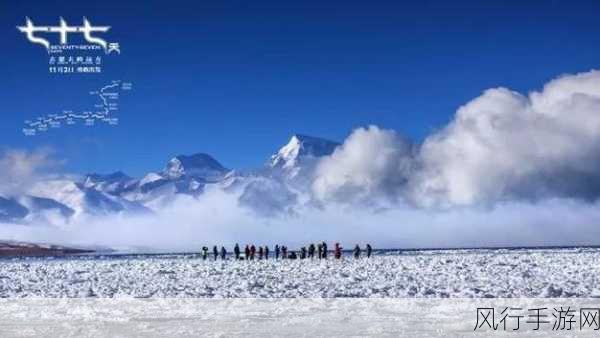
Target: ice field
(474,273)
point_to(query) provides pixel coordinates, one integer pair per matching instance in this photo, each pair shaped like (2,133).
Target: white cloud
(506,146)
(501,146)
(217,219)
(371,163)
(19,169)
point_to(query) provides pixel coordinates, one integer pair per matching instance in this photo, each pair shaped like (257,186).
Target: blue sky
(237,79)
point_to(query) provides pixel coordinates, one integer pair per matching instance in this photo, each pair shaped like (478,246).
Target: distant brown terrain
(28,249)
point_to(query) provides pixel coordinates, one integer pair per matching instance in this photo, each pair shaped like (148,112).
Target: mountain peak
(114,183)
(301,146)
(307,138)
(196,165)
(116,176)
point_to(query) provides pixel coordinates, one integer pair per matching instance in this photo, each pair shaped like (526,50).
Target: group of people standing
(312,251)
(356,252)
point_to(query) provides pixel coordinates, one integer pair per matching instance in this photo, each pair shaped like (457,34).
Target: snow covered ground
(431,274)
(289,317)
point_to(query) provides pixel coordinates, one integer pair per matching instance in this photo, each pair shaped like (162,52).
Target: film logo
(64,57)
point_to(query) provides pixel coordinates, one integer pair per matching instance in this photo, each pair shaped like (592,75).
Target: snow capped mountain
(83,200)
(150,178)
(181,175)
(199,166)
(300,154)
(187,174)
(282,186)
(37,205)
(272,190)
(25,207)
(115,183)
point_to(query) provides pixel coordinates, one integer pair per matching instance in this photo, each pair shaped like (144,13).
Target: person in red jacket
(338,251)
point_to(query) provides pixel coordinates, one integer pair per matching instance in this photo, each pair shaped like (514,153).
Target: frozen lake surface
(423,274)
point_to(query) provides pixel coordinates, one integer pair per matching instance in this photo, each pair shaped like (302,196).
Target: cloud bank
(217,219)
(19,169)
(500,147)
(371,164)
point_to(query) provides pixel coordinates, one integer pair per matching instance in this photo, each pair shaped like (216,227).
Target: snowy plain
(476,273)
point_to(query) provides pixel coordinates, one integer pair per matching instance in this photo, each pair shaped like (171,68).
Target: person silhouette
(338,251)
(236,251)
(204,252)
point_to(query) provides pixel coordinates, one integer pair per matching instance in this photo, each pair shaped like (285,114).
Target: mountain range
(268,191)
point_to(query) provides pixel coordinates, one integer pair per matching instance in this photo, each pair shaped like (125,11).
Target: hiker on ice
(324,250)
(261,252)
(284,252)
(266,252)
(311,250)
(204,252)
(223,253)
(252,251)
(338,251)
(247,252)
(236,251)
(369,249)
(215,252)
(320,250)
(357,251)
(276,251)
(302,252)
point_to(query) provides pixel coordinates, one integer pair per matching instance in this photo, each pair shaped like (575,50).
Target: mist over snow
(217,219)
(510,169)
